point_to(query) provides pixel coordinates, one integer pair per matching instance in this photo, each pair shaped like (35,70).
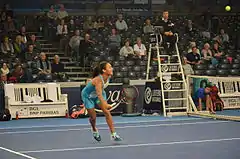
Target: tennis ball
(227,8)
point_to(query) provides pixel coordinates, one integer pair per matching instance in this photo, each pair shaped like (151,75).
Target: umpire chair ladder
(174,92)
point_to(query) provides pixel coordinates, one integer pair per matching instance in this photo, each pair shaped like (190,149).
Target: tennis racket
(129,94)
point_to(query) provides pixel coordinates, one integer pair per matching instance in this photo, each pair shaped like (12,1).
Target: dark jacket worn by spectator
(58,71)
(30,56)
(57,67)
(35,43)
(193,57)
(85,48)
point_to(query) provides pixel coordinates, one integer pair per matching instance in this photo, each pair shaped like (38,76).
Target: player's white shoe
(116,137)
(97,136)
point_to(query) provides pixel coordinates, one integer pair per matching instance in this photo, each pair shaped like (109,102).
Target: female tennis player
(94,94)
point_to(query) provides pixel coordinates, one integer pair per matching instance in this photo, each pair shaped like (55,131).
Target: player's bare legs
(209,104)
(92,120)
(109,121)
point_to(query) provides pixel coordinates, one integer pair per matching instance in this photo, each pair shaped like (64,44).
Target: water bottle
(17,117)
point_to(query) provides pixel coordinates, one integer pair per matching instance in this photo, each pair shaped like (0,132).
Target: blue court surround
(144,137)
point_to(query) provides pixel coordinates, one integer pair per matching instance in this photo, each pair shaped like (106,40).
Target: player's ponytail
(98,69)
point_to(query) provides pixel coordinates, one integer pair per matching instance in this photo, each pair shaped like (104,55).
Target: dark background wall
(39,4)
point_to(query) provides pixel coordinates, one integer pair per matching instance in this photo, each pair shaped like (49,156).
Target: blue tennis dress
(89,95)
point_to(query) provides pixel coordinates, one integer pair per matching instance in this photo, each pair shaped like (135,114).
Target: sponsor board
(229,89)
(115,98)
(38,111)
(152,96)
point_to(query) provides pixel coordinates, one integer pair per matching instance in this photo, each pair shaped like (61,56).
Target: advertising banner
(228,89)
(38,111)
(114,97)
(152,97)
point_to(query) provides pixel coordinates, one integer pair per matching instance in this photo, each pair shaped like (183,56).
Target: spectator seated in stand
(99,23)
(148,28)
(35,43)
(85,50)
(75,42)
(10,26)
(191,45)
(20,75)
(52,14)
(3,80)
(6,48)
(30,55)
(58,69)
(190,28)
(193,57)
(23,34)
(187,68)
(6,12)
(139,48)
(62,33)
(217,53)
(114,41)
(88,23)
(206,52)
(62,13)
(4,69)
(126,50)
(222,38)
(44,67)
(19,47)
(71,27)
(121,24)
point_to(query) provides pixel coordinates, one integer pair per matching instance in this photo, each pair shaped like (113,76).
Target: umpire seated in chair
(169,39)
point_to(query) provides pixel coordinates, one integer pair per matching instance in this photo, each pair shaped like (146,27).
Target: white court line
(133,145)
(103,123)
(17,153)
(117,127)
